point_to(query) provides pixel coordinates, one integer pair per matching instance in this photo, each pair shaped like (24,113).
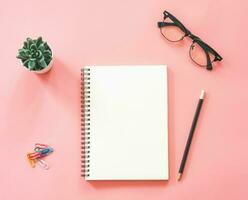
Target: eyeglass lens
(198,55)
(172,32)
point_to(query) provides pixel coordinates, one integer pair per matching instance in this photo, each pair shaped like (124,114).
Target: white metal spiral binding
(85,122)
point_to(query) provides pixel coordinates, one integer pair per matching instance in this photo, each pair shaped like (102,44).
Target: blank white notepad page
(128,123)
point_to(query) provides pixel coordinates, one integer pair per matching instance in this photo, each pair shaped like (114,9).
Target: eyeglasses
(200,53)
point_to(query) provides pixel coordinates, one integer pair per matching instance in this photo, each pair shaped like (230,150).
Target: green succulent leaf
(40,55)
(42,63)
(20,57)
(33,47)
(39,41)
(22,54)
(46,45)
(47,53)
(25,63)
(25,45)
(48,60)
(30,42)
(41,47)
(21,51)
(28,53)
(31,64)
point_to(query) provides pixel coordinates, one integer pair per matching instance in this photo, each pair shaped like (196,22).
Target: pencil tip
(179,176)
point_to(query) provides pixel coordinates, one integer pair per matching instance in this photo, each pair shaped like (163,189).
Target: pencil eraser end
(202,94)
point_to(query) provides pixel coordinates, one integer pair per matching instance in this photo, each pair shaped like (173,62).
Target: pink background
(45,108)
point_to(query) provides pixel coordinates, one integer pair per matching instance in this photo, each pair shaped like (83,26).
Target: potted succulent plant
(36,55)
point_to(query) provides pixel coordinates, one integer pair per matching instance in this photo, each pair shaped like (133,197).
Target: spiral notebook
(124,123)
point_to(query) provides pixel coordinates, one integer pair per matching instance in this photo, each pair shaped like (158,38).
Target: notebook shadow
(127,183)
(171,125)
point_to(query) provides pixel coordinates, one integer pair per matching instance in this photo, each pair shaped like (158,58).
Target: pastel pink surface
(46,108)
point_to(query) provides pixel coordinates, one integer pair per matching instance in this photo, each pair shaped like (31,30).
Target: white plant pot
(43,71)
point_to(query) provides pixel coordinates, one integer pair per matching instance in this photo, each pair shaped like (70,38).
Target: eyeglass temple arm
(209,63)
(163,24)
(177,22)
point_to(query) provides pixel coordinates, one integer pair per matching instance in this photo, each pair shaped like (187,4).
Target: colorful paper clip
(31,161)
(40,151)
(39,146)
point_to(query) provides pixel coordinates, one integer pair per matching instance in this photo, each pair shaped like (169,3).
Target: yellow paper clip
(31,161)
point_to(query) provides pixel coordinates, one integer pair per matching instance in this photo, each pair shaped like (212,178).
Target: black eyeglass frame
(206,48)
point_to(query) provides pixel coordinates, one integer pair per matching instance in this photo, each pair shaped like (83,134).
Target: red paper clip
(39,146)
(34,155)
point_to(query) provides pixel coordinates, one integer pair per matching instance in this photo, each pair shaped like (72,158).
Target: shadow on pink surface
(123,184)
(24,100)
(28,100)
(60,82)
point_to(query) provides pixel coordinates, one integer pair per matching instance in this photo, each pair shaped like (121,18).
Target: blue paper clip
(46,151)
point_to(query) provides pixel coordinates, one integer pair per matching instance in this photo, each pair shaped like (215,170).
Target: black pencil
(191,133)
